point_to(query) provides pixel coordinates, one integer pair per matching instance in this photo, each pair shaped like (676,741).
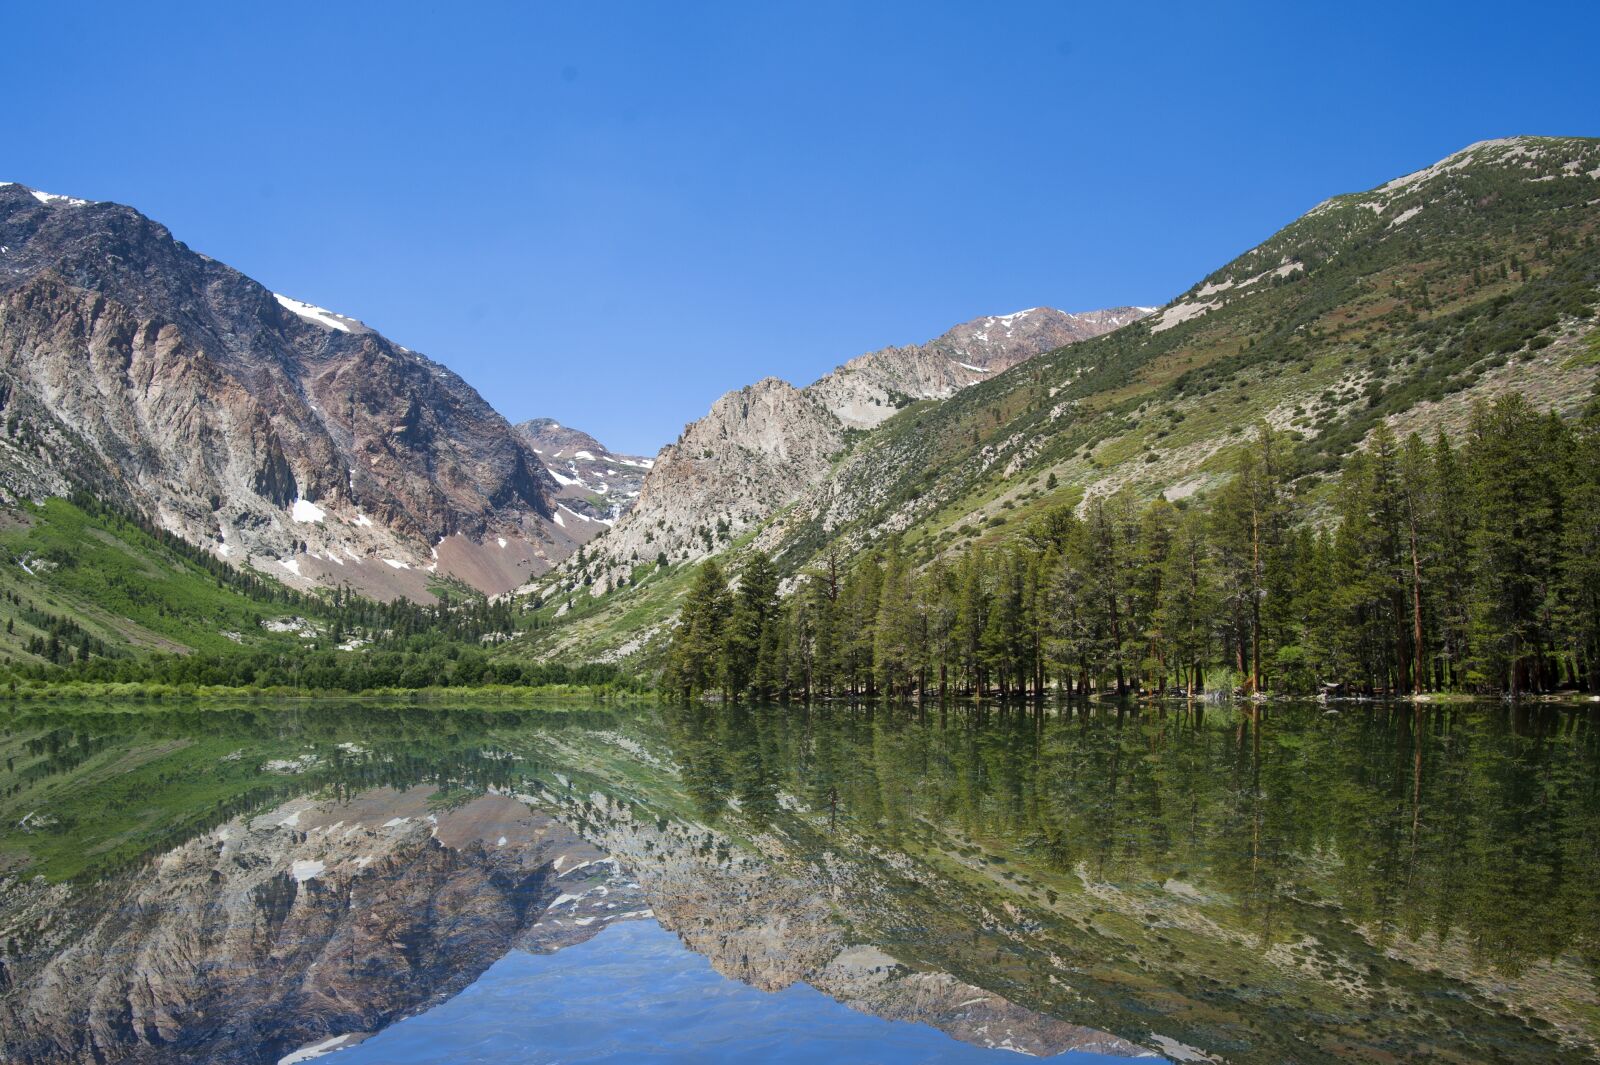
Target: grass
(119,584)
(132,694)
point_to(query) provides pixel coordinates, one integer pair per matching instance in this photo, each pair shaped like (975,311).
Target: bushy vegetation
(97,593)
(431,660)
(1439,565)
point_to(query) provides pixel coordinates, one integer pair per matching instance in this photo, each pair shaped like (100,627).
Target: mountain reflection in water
(1297,883)
(634,994)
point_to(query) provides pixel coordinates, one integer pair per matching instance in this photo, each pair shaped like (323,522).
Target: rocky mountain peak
(868,389)
(549,435)
(761,447)
(596,483)
(273,431)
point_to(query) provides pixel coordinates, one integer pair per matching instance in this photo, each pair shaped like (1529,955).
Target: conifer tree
(1580,550)
(896,631)
(753,608)
(696,655)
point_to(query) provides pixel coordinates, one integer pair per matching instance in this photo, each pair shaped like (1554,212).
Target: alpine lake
(1282,882)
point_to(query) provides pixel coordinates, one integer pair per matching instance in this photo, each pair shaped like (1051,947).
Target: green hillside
(94,579)
(93,595)
(1405,304)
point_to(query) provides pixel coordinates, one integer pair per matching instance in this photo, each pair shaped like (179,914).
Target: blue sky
(611,213)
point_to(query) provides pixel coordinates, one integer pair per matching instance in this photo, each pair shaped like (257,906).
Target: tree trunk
(1255,601)
(1419,674)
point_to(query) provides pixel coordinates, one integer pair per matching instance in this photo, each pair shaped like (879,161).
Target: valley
(1211,681)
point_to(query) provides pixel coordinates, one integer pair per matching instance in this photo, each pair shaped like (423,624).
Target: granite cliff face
(755,451)
(769,445)
(273,431)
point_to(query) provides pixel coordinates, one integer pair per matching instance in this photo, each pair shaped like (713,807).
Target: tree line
(1467,564)
(424,660)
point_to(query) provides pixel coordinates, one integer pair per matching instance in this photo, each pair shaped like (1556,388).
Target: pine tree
(1450,521)
(971,616)
(696,655)
(1580,555)
(753,608)
(1188,600)
(1515,540)
(1416,508)
(897,635)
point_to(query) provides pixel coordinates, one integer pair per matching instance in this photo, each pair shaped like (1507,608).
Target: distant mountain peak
(762,446)
(47,198)
(597,484)
(868,389)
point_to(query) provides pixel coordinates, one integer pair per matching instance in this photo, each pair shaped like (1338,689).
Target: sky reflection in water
(635,994)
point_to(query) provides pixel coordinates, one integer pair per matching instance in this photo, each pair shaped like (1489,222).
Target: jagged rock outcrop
(868,389)
(755,451)
(763,447)
(267,429)
(597,484)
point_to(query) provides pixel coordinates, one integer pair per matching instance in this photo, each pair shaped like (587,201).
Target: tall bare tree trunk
(1418,676)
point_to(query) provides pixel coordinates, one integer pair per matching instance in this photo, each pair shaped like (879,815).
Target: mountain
(247,933)
(597,484)
(276,433)
(764,446)
(1404,304)
(869,389)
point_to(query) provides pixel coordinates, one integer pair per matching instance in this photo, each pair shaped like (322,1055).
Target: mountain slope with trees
(1440,566)
(1403,306)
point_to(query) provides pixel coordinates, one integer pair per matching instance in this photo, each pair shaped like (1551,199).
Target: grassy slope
(630,622)
(119,584)
(1375,305)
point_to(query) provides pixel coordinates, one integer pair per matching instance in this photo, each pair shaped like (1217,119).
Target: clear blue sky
(610,214)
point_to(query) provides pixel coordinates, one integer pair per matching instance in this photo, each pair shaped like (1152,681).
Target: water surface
(1297,882)
(634,994)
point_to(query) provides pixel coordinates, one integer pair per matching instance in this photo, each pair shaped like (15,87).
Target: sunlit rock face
(261,427)
(769,444)
(870,388)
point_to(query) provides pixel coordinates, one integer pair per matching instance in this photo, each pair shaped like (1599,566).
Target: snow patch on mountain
(306,512)
(311,312)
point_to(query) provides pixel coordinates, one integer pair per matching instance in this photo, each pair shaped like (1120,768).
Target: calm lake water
(636,994)
(1307,883)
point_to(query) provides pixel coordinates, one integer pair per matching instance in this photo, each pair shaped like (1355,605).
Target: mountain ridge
(1403,304)
(283,436)
(761,447)
(597,484)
